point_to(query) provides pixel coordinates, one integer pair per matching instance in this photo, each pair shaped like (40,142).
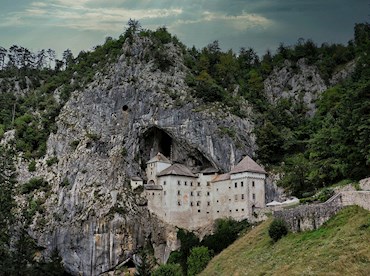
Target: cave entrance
(156,140)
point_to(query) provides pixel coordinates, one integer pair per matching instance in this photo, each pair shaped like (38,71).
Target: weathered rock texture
(106,133)
(308,217)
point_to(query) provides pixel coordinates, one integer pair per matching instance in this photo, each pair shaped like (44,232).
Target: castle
(193,200)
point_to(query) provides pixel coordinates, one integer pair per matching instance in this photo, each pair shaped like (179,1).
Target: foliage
(168,270)
(277,229)
(34,184)
(226,232)
(145,266)
(198,260)
(32,166)
(51,161)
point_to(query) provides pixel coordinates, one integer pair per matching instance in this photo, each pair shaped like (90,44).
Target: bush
(168,270)
(33,184)
(198,260)
(32,166)
(51,161)
(277,229)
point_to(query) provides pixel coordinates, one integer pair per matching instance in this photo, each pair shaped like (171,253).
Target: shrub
(32,166)
(51,161)
(198,260)
(168,270)
(277,229)
(33,184)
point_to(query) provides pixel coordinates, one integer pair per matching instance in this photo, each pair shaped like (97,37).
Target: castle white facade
(190,201)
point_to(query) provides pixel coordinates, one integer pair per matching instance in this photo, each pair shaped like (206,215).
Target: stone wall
(308,217)
(360,198)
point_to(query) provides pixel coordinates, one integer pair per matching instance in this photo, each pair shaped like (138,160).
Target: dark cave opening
(156,140)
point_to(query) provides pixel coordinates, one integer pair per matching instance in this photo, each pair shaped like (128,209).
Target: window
(178,182)
(237,210)
(230,211)
(153,194)
(217,200)
(191,183)
(242,184)
(179,203)
(186,184)
(178,192)
(208,203)
(208,184)
(198,203)
(254,196)
(191,203)
(208,193)
(242,210)
(198,211)
(236,197)
(164,192)
(242,196)
(236,184)
(198,184)
(252,183)
(191,193)
(164,182)
(198,193)
(218,211)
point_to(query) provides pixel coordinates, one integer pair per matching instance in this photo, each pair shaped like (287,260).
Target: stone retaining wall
(308,217)
(360,198)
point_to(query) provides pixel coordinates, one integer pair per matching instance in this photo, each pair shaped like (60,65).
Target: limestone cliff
(105,134)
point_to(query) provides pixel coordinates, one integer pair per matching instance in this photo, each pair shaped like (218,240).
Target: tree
(198,260)
(145,266)
(134,25)
(51,56)
(168,270)
(277,229)
(3,53)
(68,58)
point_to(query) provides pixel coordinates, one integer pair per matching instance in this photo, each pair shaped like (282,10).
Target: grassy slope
(340,247)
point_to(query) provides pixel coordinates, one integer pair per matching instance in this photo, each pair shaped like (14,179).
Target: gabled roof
(136,178)
(177,169)
(221,177)
(247,165)
(159,158)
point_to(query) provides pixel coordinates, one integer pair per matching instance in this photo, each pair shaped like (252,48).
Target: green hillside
(340,247)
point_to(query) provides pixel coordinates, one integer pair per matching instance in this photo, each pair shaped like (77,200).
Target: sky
(259,24)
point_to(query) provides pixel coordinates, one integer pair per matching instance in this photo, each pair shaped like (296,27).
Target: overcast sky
(260,24)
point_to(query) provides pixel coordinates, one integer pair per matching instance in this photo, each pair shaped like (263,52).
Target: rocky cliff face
(301,82)
(106,133)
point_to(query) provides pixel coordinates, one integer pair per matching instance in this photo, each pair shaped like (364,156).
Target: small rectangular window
(208,193)
(186,184)
(237,210)
(242,196)
(236,184)
(178,192)
(164,182)
(236,197)
(191,183)
(218,211)
(242,210)
(208,183)
(191,193)
(198,211)
(208,203)
(198,193)
(198,203)
(191,203)
(254,196)
(242,184)
(178,182)
(198,184)
(179,203)
(252,183)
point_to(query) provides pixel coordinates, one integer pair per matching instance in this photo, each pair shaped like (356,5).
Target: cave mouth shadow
(156,140)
